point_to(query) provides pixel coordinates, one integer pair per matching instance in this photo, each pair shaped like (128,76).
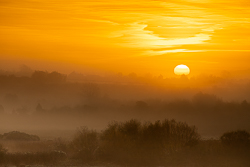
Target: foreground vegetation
(133,143)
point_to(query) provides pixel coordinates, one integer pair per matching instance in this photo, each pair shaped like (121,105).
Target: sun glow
(110,36)
(181,70)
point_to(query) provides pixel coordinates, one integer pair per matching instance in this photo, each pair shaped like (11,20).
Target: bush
(120,141)
(240,138)
(2,153)
(85,144)
(132,142)
(16,135)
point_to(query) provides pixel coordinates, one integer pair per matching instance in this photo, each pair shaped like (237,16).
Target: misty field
(130,143)
(47,120)
(120,83)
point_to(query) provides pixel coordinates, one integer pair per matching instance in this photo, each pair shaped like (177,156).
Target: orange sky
(143,36)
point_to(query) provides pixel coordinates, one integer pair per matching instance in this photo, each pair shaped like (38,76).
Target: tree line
(136,143)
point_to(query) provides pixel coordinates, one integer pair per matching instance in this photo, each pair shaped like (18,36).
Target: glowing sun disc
(181,69)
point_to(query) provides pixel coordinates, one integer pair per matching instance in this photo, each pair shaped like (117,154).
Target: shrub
(120,141)
(133,142)
(16,135)
(240,138)
(2,153)
(173,135)
(61,145)
(85,144)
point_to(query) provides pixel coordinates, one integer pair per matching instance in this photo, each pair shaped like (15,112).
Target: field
(132,143)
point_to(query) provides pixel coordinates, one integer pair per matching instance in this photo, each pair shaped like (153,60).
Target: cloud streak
(136,36)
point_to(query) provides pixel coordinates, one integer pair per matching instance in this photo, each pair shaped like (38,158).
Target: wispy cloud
(87,31)
(136,36)
(224,50)
(161,52)
(96,20)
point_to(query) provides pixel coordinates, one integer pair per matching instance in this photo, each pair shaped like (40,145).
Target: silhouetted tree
(25,71)
(133,143)
(39,76)
(56,77)
(43,77)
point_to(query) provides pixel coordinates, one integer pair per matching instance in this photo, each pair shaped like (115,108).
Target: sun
(181,70)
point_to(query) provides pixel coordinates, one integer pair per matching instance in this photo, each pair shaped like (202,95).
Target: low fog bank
(211,115)
(228,86)
(54,105)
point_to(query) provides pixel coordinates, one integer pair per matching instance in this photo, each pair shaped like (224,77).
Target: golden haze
(143,36)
